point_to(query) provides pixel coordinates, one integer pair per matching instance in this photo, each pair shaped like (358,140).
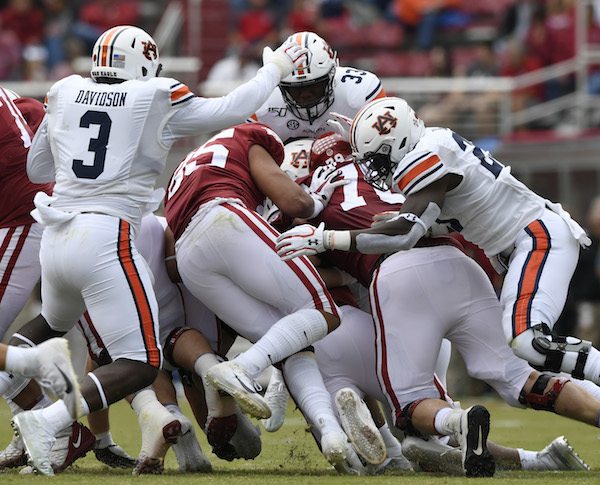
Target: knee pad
(547,352)
(170,344)
(404,419)
(538,399)
(555,349)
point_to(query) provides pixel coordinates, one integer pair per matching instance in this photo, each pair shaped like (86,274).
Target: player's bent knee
(404,419)
(169,346)
(541,399)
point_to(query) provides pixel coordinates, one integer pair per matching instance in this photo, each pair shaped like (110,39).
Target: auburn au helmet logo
(299,159)
(385,123)
(150,51)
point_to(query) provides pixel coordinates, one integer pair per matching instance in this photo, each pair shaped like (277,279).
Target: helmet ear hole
(144,71)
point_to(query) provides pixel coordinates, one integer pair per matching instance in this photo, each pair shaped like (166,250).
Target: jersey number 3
(97,145)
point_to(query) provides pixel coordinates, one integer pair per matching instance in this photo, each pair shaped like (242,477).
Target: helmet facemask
(309,110)
(378,167)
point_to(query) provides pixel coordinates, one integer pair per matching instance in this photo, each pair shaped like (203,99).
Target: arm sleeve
(40,163)
(201,115)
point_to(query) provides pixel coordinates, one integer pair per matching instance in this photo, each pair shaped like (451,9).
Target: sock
(142,399)
(217,404)
(103,440)
(22,361)
(289,335)
(11,384)
(393,446)
(305,384)
(528,459)
(56,416)
(446,420)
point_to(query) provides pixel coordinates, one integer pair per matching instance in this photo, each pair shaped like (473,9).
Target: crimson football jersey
(16,190)
(219,169)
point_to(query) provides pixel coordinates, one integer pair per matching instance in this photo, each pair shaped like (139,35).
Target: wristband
(340,240)
(318,206)
(410,217)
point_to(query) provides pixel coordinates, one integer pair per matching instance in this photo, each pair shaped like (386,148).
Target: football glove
(341,124)
(303,240)
(286,57)
(323,184)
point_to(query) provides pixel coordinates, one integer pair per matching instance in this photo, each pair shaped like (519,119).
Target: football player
(301,107)
(449,179)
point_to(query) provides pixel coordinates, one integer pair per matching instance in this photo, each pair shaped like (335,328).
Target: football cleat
(231,378)
(57,375)
(246,439)
(276,397)
(431,455)
(160,430)
(358,424)
(559,455)
(114,456)
(13,455)
(220,430)
(471,436)
(334,447)
(71,443)
(188,451)
(37,439)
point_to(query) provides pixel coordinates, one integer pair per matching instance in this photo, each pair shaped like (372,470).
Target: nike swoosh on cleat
(77,443)
(479,450)
(67,380)
(253,391)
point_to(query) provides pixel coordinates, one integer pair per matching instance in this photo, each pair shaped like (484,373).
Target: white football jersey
(353,89)
(489,206)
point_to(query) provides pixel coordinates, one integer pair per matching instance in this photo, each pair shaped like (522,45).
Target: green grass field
(291,456)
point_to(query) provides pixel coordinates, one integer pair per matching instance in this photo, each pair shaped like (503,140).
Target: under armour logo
(312,242)
(385,123)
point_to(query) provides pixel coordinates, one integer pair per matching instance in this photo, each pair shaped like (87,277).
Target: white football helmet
(381,134)
(296,155)
(123,53)
(309,90)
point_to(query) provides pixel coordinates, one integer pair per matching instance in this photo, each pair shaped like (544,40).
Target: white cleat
(472,435)
(559,455)
(37,439)
(358,424)
(188,451)
(231,378)
(57,374)
(432,455)
(276,396)
(160,430)
(334,447)
(13,455)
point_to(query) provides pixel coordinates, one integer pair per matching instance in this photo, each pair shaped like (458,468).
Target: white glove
(303,240)
(324,182)
(384,217)
(341,124)
(286,57)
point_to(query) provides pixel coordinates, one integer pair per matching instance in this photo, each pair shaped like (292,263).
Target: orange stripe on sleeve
(180,92)
(529,279)
(418,170)
(381,94)
(139,295)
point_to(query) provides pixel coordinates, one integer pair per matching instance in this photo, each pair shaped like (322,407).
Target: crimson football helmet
(329,148)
